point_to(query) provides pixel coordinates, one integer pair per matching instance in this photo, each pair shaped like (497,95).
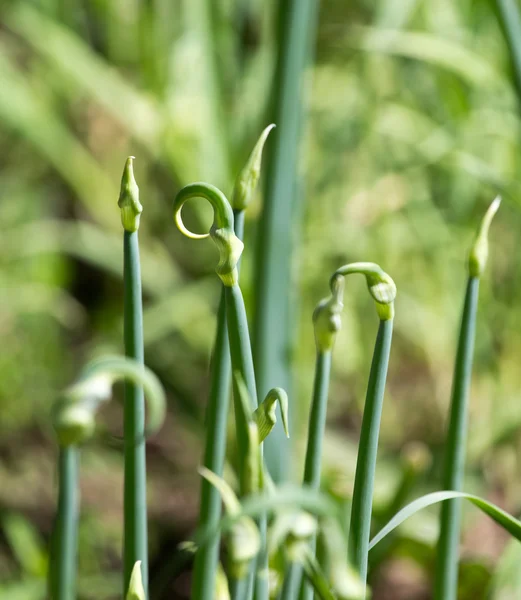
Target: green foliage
(413,124)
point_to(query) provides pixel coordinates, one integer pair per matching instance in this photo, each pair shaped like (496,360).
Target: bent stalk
(206,560)
(326,319)
(383,291)
(230,249)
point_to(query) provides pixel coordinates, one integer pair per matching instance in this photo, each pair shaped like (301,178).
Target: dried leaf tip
(128,202)
(479,252)
(248,178)
(136,590)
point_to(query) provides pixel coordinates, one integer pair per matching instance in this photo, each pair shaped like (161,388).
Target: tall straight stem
(280,219)
(135,503)
(65,535)
(207,557)
(317,420)
(361,508)
(446,582)
(316,429)
(240,351)
(242,362)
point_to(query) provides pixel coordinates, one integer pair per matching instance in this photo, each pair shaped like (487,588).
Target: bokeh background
(412,126)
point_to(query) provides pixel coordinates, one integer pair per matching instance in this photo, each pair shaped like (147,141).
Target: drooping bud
(265,415)
(248,178)
(128,202)
(326,316)
(381,286)
(74,425)
(479,252)
(73,415)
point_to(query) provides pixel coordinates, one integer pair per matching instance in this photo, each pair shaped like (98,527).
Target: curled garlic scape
(222,231)
(75,411)
(326,316)
(381,287)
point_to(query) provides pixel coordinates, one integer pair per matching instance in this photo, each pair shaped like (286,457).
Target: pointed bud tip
(128,200)
(136,590)
(248,178)
(479,252)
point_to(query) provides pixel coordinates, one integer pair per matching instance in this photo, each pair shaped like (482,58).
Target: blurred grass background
(412,127)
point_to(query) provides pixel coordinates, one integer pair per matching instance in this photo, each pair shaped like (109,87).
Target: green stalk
(227,231)
(280,218)
(326,321)
(361,508)
(65,535)
(446,577)
(317,424)
(383,290)
(207,557)
(135,545)
(292,582)
(242,363)
(317,419)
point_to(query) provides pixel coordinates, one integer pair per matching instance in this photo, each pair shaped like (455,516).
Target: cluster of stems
(232,352)
(344,575)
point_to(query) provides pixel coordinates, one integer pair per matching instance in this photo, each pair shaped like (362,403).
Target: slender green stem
(327,322)
(241,588)
(317,425)
(361,507)
(65,535)
(215,449)
(317,420)
(242,362)
(261,591)
(216,419)
(230,248)
(292,581)
(446,581)
(240,351)
(135,506)
(280,218)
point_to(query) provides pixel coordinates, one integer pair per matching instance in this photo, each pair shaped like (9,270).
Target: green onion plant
(383,291)
(135,543)
(326,320)
(270,527)
(446,576)
(206,558)
(230,248)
